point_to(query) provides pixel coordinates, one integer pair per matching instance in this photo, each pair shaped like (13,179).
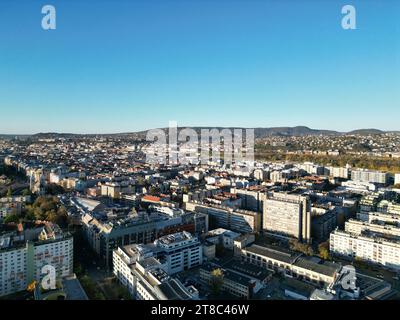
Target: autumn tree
(323,249)
(217,280)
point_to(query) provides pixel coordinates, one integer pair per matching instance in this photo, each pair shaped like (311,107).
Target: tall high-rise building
(288,216)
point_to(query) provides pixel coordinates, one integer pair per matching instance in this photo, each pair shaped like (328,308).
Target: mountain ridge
(259,132)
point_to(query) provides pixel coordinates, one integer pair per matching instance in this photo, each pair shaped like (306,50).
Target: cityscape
(214,158)
(117,227)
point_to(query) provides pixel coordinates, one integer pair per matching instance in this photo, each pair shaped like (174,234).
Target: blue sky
(118,66)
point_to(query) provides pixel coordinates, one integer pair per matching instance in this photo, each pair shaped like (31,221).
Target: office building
(287,216)
(243,221)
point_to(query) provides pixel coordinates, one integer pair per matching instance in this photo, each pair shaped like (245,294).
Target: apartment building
(145,270)
(376,227)
(252,197)
(22,256)
(379,216)
(370,176)
(287,216)
(370,248)
(339,172)
(181,250)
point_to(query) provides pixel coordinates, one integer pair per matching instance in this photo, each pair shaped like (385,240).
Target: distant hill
(366,132)
(292,131)
(258,133)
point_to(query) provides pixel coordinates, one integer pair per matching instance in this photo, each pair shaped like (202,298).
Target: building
(287,216)
(397,179)
(370,202)
(181,250)
(323,223)
(106,235)
(339,172)
(9,207)
(375,227)
(371,176)
(143,270)
(371,217)
(252,197)
(292,264)
(370,248)
(22,256)
(243,221)
(223,237)
(361,187)
(234,283)
(386,206)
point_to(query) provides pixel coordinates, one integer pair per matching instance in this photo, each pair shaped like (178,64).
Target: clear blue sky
(118,66)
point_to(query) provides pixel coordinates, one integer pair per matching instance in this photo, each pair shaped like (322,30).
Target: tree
(217,280)
(12,218)
(154,190)
(54,189)
(9,193)
(323,249)
(26,192)
(301,247)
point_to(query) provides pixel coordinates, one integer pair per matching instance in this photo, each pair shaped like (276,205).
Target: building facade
(287,216)
(22,258)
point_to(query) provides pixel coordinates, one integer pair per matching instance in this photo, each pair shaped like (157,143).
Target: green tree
(9,193)
(26,192)
(12,218)
(154,190)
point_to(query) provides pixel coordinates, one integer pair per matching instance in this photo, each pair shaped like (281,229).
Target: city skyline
(127,67)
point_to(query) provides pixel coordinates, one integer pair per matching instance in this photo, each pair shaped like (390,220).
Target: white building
(145,276)
(339,172)
(22,257)
(358,186)
(369,176)
(372,249)
(397,178)
(222,236)
(182,251)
